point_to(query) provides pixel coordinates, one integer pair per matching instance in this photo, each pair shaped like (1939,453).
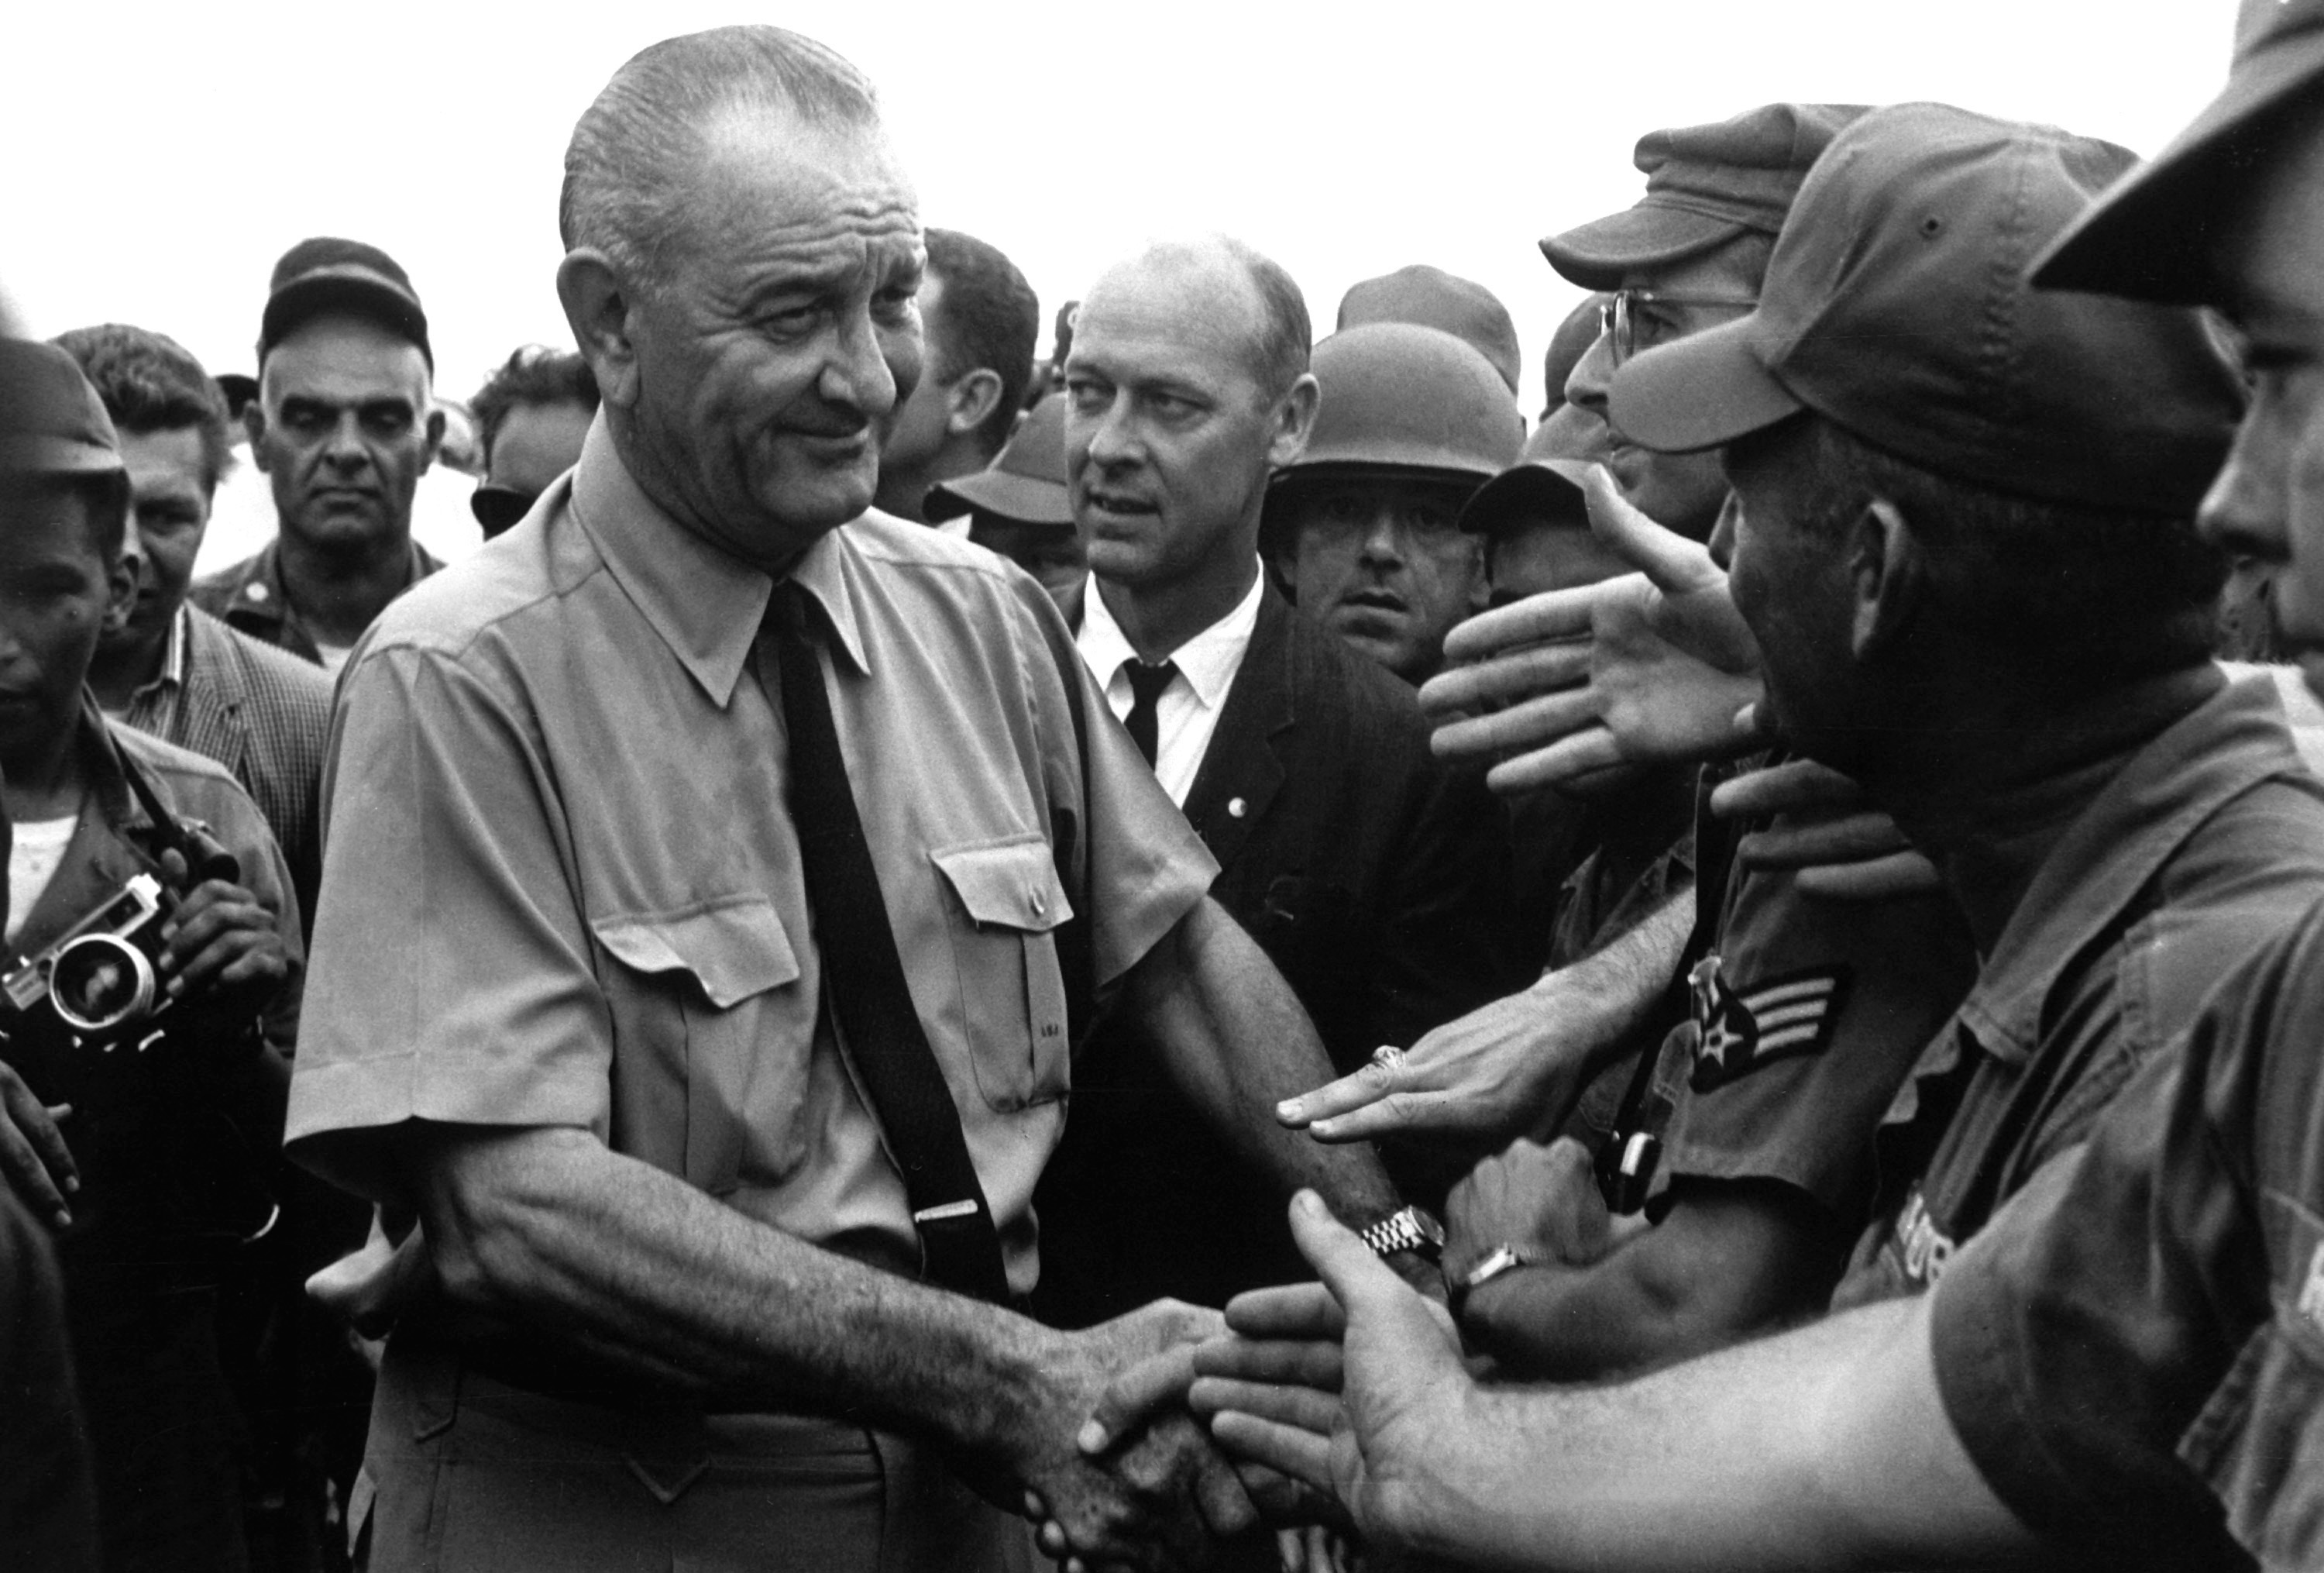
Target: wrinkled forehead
(344,360)
(769,186)
(1186,311)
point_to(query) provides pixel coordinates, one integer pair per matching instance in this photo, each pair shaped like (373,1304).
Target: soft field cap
(1545,483)
(1407,397)
(1705,185)
(2151,236)
(52,422)
(325,274)
(1434,298)
(1896,306)
(1026,480)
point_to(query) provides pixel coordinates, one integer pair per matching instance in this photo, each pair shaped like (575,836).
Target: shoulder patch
(1771,1019)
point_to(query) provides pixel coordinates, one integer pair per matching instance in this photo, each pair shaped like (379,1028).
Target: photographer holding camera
(147,992)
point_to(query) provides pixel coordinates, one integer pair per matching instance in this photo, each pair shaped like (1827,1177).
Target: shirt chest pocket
(1011,992)
(711,1079)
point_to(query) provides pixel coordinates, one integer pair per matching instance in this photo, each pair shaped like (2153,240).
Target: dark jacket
(1375,880)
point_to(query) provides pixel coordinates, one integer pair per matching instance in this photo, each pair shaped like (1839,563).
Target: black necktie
(864,980)
(1147,683)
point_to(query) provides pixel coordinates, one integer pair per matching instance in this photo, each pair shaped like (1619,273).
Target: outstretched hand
(1842,847)
(1654,667)
(1159,1496)
(1354,1386)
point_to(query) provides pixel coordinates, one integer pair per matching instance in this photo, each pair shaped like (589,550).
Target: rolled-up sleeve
(451,976)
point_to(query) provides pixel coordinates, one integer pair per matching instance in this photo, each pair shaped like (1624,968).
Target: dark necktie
(1147,683)
(863,981)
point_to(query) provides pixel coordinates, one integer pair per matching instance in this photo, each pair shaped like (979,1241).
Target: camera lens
(99,982)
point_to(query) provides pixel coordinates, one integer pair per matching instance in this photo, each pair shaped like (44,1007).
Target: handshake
(1320,1409)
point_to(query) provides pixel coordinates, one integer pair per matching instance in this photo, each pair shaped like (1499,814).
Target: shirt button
(1234,808)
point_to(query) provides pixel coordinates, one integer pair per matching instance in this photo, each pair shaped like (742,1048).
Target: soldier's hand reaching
(1654,667)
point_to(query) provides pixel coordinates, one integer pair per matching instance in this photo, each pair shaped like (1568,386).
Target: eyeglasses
(1617,317)
(497,508)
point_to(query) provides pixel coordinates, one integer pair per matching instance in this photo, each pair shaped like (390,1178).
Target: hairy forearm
(1608,993)
(551,1232)
(1728,1261)
(1237,1042)
(1825,1448)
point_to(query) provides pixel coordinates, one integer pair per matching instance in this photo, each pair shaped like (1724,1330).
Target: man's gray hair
(636,152)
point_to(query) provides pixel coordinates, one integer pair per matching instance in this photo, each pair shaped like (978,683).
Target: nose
(858,373)
(344,448)
(1384,542)
(1592,375)
(1110,438)
(2245,512)
(1722,534)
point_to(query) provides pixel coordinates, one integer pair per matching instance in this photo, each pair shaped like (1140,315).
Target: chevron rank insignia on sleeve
(1774,1019)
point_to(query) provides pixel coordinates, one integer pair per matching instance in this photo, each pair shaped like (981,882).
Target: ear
(1887,570)
(601,310)
(253,422)
(1295,418)
(435,438)
(970,400)
(1480,578)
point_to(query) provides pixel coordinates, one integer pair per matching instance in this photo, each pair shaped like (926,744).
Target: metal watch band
(1407,1229)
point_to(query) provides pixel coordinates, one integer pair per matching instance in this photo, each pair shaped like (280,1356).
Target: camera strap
(202,862)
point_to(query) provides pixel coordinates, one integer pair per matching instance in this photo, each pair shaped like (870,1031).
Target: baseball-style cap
(1026,480)
(1896,306)
(1705,185)
(52,422)
(327,274)
(1545,483)
(2149,236)
(1396,395)
(1433,298)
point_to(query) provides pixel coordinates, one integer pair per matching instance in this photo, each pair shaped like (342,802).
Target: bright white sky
(161,156)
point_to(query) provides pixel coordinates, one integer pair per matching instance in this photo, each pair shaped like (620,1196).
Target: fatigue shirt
(2133,1350)
(2194,856)
(248,597)
(562,887)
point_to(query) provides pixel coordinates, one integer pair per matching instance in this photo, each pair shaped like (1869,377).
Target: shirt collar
(705,603)
(1208,662)
(2224,746)
(172,674)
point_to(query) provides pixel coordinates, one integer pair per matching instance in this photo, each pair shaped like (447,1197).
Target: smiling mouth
(1120,507)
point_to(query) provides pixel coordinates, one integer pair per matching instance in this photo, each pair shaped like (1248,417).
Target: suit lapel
(1243,769)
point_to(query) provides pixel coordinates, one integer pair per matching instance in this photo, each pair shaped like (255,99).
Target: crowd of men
(1763,922)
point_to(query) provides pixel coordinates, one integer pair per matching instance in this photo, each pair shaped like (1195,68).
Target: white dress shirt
(1187,713)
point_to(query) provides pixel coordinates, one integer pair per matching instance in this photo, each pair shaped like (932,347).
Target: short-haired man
(344,427)
(981,322)
(1370,876)
(173,670)
(719,869)
(140,1099)
(1365,526)
(1429,297)
(531,414)
(1017,507)
(2123,1364)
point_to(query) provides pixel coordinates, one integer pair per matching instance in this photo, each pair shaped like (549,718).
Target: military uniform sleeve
(1817,1011)
(452,977)
(2133,1350)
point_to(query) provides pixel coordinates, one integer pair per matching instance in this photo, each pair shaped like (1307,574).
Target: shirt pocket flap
(1012,885)
(734,950)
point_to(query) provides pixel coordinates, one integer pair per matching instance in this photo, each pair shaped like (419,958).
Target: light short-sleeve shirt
(562,887)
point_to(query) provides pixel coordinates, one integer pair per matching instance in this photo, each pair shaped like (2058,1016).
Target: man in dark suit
(1371,879)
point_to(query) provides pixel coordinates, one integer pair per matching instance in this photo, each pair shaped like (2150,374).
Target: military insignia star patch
(1771,1019)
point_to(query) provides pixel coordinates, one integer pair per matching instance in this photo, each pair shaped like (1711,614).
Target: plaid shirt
(262,713)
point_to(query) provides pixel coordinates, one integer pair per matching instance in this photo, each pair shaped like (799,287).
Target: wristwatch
(1407,1229)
